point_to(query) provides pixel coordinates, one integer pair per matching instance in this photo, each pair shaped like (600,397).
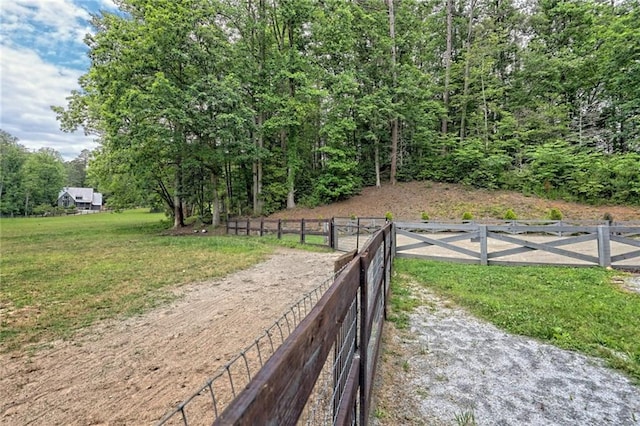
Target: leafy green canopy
(211,106)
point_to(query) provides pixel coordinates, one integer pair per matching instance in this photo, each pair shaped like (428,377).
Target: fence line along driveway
(519,244)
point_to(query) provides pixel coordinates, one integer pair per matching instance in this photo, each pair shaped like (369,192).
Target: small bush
(467,216)
(555,214)
(510,215)
(424,216)
(388,216)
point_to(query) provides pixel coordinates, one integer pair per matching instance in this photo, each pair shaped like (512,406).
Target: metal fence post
(261,226)
(604,245)
(301,231)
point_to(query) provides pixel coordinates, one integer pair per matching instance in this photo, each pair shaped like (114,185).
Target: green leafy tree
(12,157)
(43,177)
(76,169)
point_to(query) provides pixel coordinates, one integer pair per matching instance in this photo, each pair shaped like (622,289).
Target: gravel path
(455,369)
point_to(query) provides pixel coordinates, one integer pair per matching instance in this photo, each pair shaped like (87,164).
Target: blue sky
(42,54)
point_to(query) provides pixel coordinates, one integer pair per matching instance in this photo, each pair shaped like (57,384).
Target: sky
(42,55)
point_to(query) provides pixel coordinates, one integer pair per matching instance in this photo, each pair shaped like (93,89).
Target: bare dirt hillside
(441,201)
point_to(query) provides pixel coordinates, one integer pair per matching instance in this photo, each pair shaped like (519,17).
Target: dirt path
(133,371)
(450,368)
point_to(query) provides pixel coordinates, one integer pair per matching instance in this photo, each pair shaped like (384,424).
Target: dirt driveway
(133,371)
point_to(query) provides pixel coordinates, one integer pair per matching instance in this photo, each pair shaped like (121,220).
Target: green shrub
(467,216)
(424,216)
(555,214)
(510,215)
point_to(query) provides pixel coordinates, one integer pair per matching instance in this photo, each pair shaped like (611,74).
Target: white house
(81,198)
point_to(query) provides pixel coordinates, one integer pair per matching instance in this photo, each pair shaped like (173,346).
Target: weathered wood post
(279,229)
(604,246)
(248,226)
(302,231)
(261,226)
(334,234)
(484,256)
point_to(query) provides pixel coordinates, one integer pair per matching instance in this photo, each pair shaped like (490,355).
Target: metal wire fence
(323,375)
(210,400)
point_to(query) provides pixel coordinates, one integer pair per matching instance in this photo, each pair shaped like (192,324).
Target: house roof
(83,195)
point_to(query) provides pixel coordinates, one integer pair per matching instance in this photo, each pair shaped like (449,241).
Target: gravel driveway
(449,368)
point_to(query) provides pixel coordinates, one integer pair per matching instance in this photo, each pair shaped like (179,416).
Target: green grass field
(574,308)
(61,273)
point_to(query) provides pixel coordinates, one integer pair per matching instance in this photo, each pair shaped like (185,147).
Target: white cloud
(59,20)
(42,50)
(29,87)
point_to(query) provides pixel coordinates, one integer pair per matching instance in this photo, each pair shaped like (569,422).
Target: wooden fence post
(604,246)
(364,338)
(301,231)
(279,228)
(248,226)
(332,242)
(261,226)
(484,257)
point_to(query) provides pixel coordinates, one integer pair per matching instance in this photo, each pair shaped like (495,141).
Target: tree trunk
(447,66)
(178,214)
(257,168)
(377,164)
(467,71)
(394,120)
(215,209)
(291,202)
(394,150)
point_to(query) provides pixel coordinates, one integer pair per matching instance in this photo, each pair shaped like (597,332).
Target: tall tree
(12,157)
(43,177)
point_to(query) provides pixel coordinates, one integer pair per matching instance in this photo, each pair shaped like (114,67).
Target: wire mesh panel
(208,402)
(315,365)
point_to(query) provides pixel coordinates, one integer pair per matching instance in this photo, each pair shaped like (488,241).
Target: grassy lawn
(573,308)
(62,273)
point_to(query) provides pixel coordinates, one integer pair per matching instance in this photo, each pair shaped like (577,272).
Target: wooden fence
(279,391)
(281,227)
(522,244)
(333,231)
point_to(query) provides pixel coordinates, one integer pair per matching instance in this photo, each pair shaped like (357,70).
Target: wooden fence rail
(280,227)
(517,244)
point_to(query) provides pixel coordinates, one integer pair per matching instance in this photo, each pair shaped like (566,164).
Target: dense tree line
(249,106)
(31,181)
